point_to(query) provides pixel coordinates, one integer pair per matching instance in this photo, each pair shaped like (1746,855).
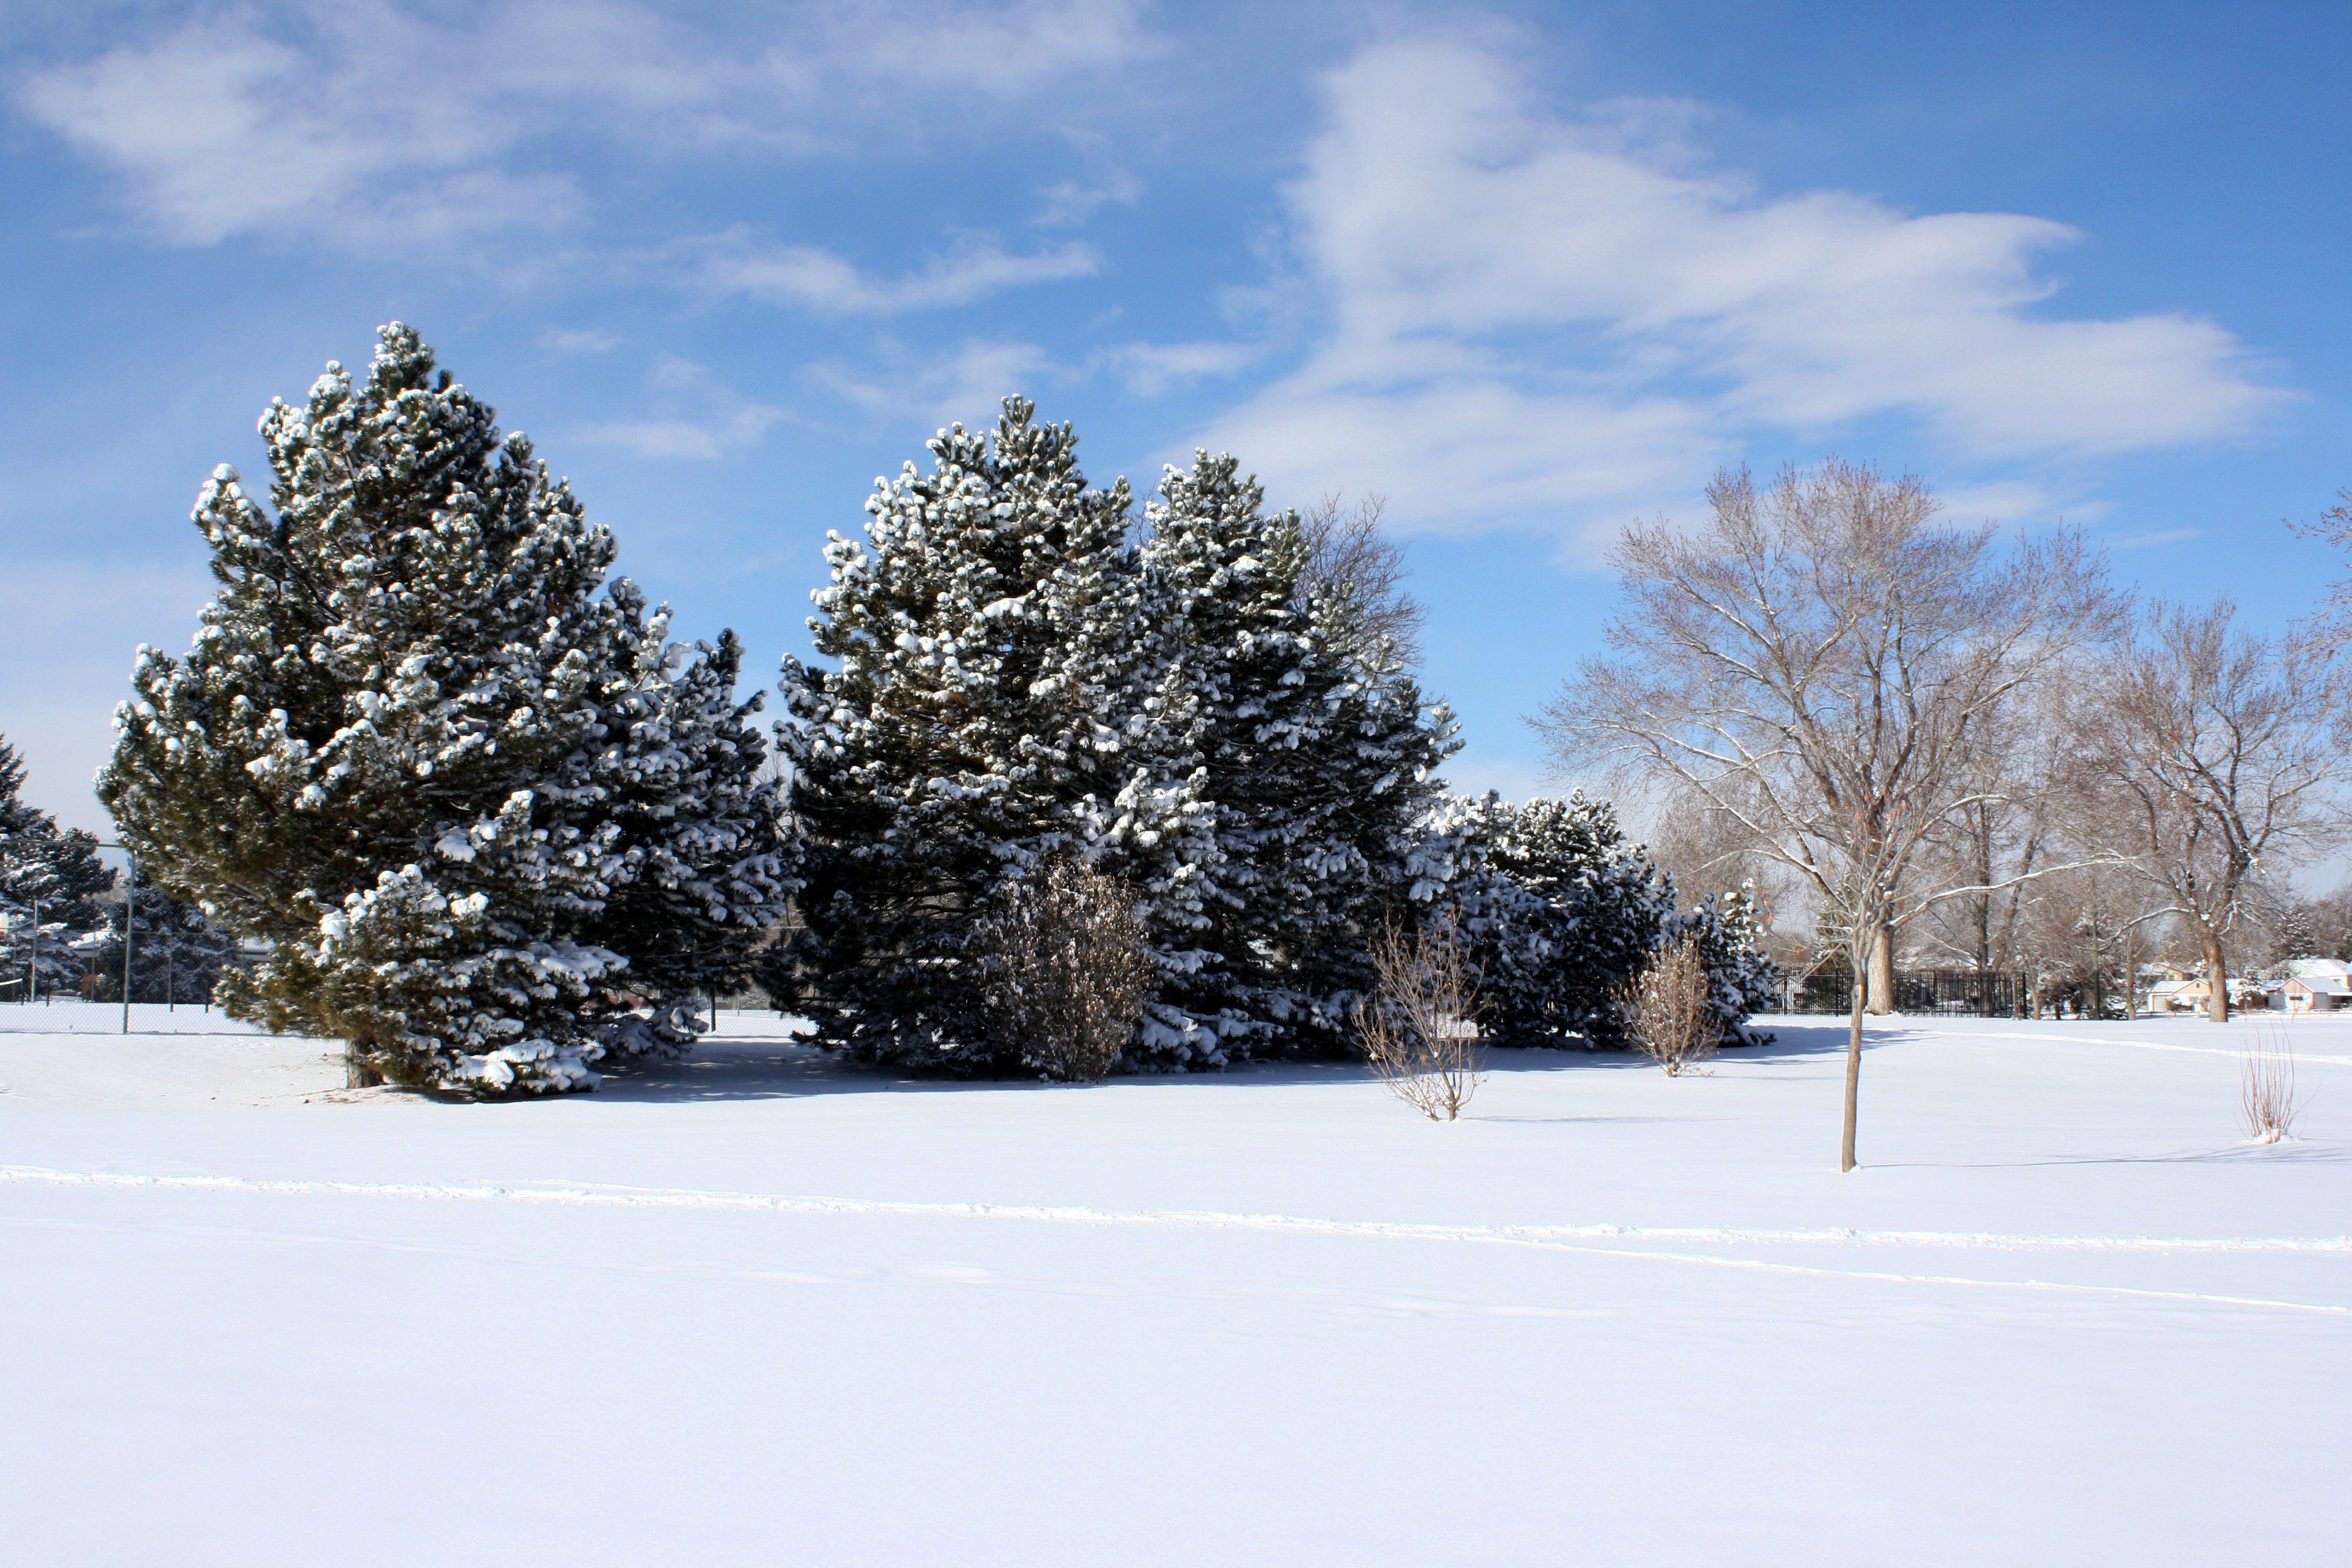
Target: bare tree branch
(1824,664)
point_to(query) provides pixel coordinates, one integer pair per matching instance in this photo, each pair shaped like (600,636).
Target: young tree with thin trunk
(1818,658)
(2221,751)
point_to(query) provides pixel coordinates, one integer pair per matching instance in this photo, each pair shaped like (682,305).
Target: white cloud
(966,385)
(2164,536)
(1528,318)
(579,340)
(703,420)
(355,120)
(1150,369)
(807,275)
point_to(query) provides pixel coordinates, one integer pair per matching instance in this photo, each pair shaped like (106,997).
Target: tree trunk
(2217,986)
(1853,1083)
(357,1073)
(1882,972)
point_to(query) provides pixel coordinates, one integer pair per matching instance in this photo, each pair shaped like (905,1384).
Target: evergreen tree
(48,871)
(1315,754)
(983,716)
(707,871)
(1742,980)
(176,954)
(1579,911)
(380,754)
(2298,935)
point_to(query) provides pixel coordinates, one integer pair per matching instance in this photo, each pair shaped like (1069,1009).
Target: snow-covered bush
(1561,911)
(1741,981)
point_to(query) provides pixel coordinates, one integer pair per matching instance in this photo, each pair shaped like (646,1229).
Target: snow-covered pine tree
(377,753)
(46,870)
(1316,755)
(1742,980)
(2297,935)
(982,717)
(707,869)
(1584,910)
(176,954)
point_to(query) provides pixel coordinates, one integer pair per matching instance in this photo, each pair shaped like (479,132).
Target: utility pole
(130,926)
(130,920)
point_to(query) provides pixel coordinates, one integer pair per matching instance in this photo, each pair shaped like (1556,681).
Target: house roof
(2319,969)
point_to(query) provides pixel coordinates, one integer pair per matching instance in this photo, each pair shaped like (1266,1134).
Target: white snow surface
(753,1307)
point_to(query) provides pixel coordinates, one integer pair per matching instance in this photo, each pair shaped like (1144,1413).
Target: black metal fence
(1958,991)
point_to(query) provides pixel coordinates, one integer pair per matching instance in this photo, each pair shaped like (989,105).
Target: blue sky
(1526,270)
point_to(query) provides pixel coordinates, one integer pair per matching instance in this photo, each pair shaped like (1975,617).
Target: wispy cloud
(1527,317)
(349,120)
(1151,369)
(2164,536)
(820,279)
(965,385)
(702,419)
(578,340)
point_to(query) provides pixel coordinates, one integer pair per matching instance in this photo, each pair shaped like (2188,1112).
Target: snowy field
(755,1310)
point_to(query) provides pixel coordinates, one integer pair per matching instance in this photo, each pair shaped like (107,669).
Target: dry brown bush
(2267,1103)
(1419,1026)
(1666,1011)
(1068,972)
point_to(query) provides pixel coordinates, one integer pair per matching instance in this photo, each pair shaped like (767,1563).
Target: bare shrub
(1666,1011)
(1068,972)
(2267,1103)
(1419,1026)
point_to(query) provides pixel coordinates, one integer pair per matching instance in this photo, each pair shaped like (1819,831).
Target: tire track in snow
(612,1195)
(1582,1239)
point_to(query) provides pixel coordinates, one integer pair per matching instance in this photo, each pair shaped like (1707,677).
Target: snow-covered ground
(756,1309)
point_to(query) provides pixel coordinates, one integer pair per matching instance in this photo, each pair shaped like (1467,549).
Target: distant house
(2188,996)
(2315,995)
(2315,985)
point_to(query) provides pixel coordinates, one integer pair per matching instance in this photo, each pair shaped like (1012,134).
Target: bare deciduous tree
(1068,974)
(1419,1026)
(1818,658)
(2220,748)
(1667,1010)
(2023,762)
(1359,570)
(1709,851)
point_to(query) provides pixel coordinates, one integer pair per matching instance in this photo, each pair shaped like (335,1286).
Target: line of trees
(1944,740)
(482,820)
(62,914)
